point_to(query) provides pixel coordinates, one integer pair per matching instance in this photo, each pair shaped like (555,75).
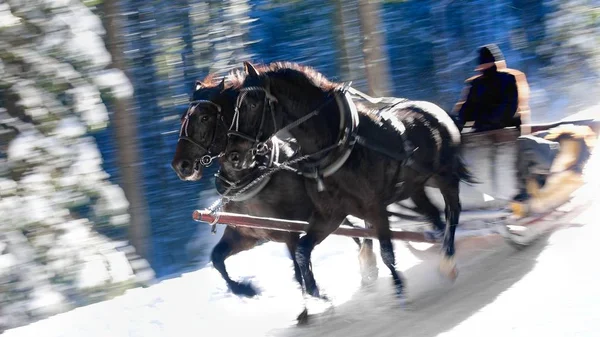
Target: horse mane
(210,81)
(288,70)
(291,71)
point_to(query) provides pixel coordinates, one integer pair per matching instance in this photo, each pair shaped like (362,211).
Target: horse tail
(463,172)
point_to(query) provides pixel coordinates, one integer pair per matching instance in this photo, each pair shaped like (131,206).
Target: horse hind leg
(366,257)
(231,243)
(367,261)
(347,222)
(449,187)
(426,207)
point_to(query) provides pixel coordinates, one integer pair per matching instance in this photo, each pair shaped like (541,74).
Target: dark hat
(489,55)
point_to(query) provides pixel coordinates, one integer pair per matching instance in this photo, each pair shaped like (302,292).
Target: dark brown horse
(204,137)
(360,161)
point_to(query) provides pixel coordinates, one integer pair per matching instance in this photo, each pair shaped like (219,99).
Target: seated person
(496,98)
(550,165)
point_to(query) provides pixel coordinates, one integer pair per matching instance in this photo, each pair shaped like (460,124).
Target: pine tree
(54,194)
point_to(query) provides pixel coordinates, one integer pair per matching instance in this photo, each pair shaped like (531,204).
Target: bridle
(259,145)
(346,137)
(207,159)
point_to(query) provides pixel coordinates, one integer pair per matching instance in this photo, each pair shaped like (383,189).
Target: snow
(70,127)
(116,81)
(120,270)
(45,298)
(93,274)
(6,17)
(547,289)
(22,147)
(112,200)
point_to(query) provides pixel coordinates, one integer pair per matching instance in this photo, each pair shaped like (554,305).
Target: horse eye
(253,105)
(204,119)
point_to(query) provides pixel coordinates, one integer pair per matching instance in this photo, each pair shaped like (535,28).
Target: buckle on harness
(206,160)
(261,149)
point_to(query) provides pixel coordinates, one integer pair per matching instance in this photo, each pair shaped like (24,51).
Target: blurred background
(91,93)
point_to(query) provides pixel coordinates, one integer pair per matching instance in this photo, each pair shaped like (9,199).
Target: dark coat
(496,99)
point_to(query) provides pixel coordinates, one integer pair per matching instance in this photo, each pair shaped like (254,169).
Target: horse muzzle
(188,170)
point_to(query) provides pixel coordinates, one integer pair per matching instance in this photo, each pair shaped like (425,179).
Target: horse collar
(349,121)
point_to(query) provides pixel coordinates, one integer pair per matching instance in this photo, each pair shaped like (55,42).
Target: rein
(218,205)
(268,99)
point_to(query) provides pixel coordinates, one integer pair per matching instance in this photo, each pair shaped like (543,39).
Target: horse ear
(222,84)
(249,69)
(198,85)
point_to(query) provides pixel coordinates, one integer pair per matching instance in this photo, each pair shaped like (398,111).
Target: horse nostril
(234,157)
(185,166)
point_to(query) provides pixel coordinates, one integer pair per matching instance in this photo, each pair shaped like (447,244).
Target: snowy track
(548,289)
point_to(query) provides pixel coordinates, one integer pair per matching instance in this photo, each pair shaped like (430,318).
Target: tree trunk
(376,62)
(340,40)
(124,124)
(442,78)
(187,54)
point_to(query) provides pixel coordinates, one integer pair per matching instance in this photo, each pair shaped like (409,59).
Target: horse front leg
(292,245)
(319,229)
(231,243)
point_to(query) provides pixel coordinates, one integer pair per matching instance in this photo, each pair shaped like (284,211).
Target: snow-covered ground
(548,289)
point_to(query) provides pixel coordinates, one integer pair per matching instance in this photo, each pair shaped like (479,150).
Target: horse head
(301,101)
(202,136)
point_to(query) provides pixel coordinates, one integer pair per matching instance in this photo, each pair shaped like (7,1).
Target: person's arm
(523,103)
(507,112)
(464,109)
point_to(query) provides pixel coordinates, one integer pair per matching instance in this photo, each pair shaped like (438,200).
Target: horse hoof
(448,268)
(303,317)
(243,289)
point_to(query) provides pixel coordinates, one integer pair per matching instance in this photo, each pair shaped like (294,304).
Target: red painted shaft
(241,220)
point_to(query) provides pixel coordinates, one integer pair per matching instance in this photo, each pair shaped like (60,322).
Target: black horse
(203,138)
(359,161)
